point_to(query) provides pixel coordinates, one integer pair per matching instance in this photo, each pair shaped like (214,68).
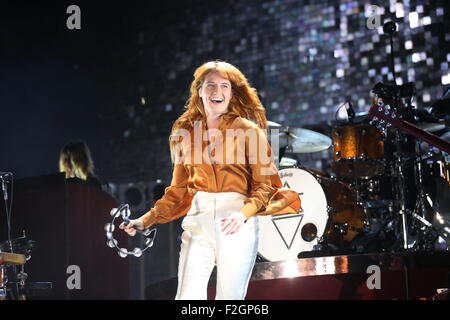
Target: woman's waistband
(220,195)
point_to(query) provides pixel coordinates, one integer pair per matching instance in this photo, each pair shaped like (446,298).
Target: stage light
(415,57)
(439,218)
(445,79)
(426,21)
(399,10)
(408,45)
(413,19)
(290,268)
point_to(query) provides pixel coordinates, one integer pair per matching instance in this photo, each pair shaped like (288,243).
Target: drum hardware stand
(390,28)
(444,231)
(4,176)
(21,278)
(3,282)
(350,112)
(399,195)
(359,202)
(423,201)
(421,197)
(18,286)
(444,167)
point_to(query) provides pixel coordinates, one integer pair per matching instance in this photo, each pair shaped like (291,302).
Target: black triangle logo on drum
(286,228)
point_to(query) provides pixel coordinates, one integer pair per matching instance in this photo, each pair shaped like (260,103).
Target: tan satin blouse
(239,159)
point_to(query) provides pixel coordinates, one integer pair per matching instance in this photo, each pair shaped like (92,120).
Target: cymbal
(446,136)
(300,140)
(272,124)
(360,117)
(431,127)
(288,162)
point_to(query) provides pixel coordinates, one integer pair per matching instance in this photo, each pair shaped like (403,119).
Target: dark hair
(75,160)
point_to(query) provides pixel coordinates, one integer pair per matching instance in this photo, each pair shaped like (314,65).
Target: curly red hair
(244,101)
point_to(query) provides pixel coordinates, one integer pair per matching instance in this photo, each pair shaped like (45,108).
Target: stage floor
(376,276)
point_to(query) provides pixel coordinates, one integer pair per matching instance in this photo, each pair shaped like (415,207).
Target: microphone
(5,191)
(350,111)
(5,174)
(390,28)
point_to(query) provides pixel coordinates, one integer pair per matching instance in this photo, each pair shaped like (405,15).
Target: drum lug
(341,227)
(331,210)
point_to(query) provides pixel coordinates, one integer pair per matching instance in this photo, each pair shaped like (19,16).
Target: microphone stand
(390,28)
(3,177)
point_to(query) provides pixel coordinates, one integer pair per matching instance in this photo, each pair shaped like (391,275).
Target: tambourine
(124,212)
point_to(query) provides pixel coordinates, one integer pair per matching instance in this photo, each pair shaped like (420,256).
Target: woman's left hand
(233,223)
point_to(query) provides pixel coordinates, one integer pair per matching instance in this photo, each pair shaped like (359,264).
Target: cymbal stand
(4,180)
(421,197)
(420,210)
(390,29)
(399,193)
(443,232)
(21,279)
(3,281)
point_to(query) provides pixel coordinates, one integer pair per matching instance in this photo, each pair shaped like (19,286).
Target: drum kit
(13,256)
(386,190)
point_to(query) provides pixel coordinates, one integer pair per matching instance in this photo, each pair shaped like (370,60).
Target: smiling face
(216,94)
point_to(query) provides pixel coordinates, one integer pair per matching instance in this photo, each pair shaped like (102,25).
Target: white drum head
(284,236)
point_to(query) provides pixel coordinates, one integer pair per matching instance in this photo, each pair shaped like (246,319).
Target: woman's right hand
(132,226)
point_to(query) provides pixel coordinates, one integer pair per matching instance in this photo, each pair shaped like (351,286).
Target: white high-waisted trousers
(204,245)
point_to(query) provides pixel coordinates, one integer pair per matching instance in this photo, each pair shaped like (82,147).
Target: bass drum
(328,213)
(284,236)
